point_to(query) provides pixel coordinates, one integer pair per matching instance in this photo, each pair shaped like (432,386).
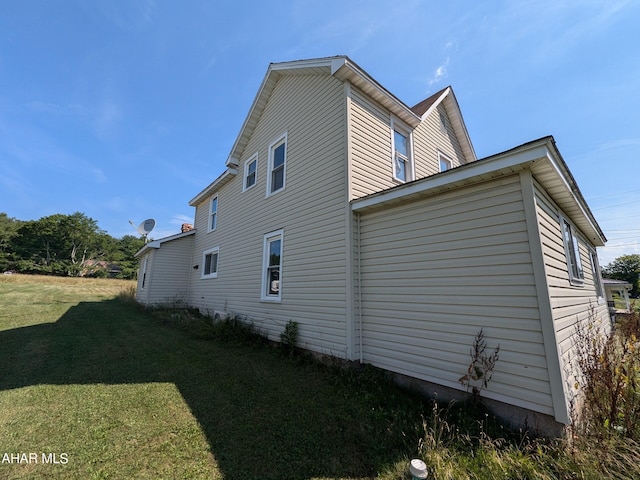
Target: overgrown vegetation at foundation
(610,383)
(128,392)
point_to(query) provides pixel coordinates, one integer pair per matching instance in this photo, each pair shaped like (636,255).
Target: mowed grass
(115,393)
(94,387)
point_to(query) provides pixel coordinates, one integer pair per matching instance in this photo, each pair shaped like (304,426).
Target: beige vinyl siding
(370,129)
(435,271)
(310,210)
(569,303)
(429,138)
(370,147)
(168,268)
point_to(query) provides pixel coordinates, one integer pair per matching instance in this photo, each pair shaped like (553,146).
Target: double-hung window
(272,267)
(277,174)
(444,161)
(572,250)
(401,158)
(402,163)
(144,271)
(250,172)
(213,214)
(210,263)
(597,279)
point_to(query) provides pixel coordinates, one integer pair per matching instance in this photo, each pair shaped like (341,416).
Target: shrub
(609,365)
(289,337)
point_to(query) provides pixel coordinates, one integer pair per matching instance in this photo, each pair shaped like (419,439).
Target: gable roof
(540,156)
(155,244)
(344,69)
(447,98)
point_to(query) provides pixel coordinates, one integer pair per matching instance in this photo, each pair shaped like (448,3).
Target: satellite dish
(145,227)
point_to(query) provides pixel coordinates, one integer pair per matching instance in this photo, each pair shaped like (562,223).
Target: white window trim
(212,214)
(210,251)
(598,284)
(253,158)
(143,283)
(446,158)
(268,238)
(397,126)
(572,244)
(282,139)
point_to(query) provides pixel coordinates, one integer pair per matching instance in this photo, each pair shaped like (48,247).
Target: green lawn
(93,387)
(115,393)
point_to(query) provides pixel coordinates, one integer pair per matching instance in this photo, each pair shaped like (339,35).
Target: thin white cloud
(544,30)
(440,73)
(106,119)
(179,219)
(129,15)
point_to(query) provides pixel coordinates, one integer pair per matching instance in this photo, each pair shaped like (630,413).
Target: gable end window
(210,263)
(250,172)
(445,162)
(272,267)
(277,174)
(213,214)
(402,168)
(572,250)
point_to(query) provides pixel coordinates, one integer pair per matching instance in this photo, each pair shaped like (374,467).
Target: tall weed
(609,365)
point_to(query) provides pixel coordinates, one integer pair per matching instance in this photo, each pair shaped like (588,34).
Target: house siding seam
(310,108)
(470,245)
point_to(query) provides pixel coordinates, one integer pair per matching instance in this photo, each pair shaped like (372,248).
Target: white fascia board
(155,244)
(310,63)
(562,171)
(507,160)
(435,104)
(217,183)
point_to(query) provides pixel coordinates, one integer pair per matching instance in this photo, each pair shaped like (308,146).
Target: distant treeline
(66,245)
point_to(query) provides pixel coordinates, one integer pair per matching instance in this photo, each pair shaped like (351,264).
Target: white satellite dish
(145,227)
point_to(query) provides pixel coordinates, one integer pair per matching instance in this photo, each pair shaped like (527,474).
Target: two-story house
(374,226)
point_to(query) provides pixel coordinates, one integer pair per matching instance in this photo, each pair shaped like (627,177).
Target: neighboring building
(374,226)
(621,290)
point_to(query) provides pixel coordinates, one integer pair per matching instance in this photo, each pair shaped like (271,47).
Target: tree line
(66,245)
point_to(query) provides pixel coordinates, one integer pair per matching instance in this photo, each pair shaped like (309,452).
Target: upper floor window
(572,249)
(402,170)
(250,172)
(272,267)
(277,165)
(210,263)
(445,162)
(213,214)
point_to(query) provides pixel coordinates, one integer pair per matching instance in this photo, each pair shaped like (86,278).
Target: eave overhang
(223,179)
(155,244)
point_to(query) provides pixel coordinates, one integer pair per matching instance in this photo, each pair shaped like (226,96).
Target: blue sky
(126,109)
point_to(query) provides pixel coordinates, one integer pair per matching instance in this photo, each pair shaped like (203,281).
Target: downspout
(359,282)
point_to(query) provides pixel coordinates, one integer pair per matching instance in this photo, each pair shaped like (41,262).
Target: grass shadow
(263,415)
